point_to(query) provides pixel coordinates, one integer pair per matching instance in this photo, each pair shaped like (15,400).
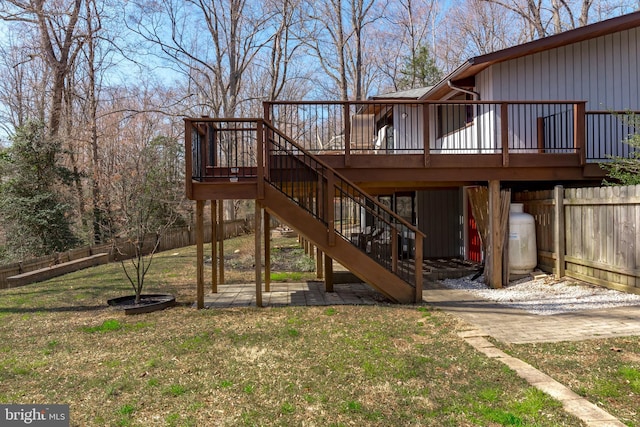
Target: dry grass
(326,366)
(606,371)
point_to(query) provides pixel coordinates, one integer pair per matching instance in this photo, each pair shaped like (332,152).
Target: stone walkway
(519,327)
(300,294)
(485,319)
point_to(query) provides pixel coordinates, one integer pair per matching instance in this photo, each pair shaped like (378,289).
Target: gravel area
(546,295)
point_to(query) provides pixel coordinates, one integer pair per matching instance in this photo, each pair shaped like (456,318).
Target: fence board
(175,238)
(602,238)
(636,233)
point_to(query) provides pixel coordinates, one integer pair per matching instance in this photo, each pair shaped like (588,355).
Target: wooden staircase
(307,195)
(347,224)
(346,253)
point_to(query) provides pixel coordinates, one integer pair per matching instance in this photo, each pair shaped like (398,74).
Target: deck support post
(579,131)
(200,254)
(419,254)
(495,236)
(214,248)
(558,229)
(258,254)
(347,132)
(426,136)
(267,251)
(221,234)
(504,133)
(328,273)
(319,267)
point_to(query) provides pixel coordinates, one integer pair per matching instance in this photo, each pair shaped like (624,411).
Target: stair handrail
(337,183)
(306,153)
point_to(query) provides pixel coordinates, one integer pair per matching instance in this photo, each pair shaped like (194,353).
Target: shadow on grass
(69,309)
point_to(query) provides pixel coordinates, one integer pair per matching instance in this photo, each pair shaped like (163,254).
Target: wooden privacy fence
(174,238)
(590,234)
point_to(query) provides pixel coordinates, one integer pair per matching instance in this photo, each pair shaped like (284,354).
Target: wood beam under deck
(221,190)
(379,173)
(406,170)
(380,180)
(421,178)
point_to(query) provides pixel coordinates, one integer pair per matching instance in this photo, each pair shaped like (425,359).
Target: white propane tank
(522,240)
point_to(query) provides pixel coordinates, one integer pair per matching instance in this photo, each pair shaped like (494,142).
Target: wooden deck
(408,145)
(303,163)
(379,173)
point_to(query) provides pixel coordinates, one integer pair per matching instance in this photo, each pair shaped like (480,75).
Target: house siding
(441,218)
(408,129)
(603,71)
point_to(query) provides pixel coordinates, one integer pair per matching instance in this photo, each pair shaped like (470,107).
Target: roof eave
(476,64)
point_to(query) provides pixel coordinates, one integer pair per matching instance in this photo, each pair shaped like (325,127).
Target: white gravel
(546,295)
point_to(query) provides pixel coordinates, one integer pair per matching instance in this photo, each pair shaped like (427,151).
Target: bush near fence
(174,238)
(591,234)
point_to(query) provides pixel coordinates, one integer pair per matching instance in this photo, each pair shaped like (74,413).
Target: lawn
(327,366)
(604,371)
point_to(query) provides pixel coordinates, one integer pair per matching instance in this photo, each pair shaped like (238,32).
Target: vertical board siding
(604,71)
(602,241)
(440,217)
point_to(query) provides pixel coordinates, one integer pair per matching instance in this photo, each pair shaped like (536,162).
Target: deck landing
(296,294)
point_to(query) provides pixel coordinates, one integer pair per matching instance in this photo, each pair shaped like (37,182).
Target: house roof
(416,93)
(464,75)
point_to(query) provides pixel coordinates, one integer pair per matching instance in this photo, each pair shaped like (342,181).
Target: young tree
(419,71)
(626,170)
(407,27)
(35,216)
(148,201)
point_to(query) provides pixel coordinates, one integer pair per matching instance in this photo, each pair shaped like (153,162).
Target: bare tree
(408,27)
(546,17)
(23,80)
(211,42)
(58,42)
(477,27)
(338,43)
(283,46)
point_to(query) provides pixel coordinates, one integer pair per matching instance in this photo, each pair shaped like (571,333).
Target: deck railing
(402,127)
(607,131)
(351,213)
(430,127)
(224,149)
(240,150)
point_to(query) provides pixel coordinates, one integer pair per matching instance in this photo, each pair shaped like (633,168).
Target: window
(453,117)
